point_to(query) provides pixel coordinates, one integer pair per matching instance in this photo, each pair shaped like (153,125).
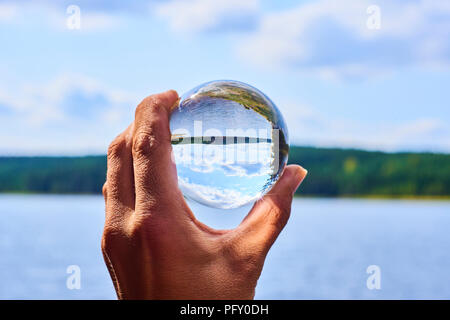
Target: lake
(323,253)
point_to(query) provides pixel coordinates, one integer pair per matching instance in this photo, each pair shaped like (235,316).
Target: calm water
(323,252)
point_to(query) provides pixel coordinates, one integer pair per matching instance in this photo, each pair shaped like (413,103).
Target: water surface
(323,252)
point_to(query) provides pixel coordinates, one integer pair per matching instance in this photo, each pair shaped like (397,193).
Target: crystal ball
(230,144)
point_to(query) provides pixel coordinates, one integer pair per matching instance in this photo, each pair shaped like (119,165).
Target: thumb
(270,214)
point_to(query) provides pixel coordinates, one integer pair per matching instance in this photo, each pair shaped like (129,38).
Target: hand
(153,245)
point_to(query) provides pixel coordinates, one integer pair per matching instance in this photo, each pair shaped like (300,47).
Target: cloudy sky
(365,74)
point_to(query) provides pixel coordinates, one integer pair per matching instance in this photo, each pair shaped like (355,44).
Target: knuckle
(140,109)
(144,144)
(280,215)
(115,148)
(151,104)
(135,230)
(152,126)
(156,102)
(282,203)
(107,239)
(113,235)
(139,229)
(104,189)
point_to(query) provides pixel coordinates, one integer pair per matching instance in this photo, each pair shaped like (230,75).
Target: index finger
(154,171)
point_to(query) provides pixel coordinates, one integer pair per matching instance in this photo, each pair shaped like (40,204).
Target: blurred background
(363,86)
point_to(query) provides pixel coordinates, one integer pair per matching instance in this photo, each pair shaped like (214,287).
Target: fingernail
(301,174)
(175,105)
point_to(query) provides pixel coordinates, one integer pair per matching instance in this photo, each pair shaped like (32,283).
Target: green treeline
(52,174)
(331,172)
(346,172)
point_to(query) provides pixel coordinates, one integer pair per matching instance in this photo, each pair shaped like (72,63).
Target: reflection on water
(323,252)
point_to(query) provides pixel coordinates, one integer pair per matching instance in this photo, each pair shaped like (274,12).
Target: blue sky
(338,81)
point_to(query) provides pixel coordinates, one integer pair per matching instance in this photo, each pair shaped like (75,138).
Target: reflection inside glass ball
(230,144)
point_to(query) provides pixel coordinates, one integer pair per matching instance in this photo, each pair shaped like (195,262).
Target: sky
(354,74)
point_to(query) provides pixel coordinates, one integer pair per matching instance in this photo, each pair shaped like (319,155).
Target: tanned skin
(153,245)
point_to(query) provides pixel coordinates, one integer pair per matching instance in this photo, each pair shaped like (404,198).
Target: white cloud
(205,15)
(311,127)
(71,114)
(243,160)
(7,12)
(89,21)
(45,102)
(135,6)
(331,38)
(215,197)
(74,114)
(55,15)
(99,21)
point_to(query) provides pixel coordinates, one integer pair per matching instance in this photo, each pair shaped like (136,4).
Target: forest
(331,173)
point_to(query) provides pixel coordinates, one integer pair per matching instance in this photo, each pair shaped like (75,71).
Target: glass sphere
(230,144)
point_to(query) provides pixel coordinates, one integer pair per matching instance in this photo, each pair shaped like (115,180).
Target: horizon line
(15,154)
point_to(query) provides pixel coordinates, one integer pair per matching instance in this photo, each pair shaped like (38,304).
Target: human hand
(153,245)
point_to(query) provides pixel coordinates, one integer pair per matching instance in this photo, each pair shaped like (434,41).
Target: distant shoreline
(378,197)
(297,196)
(332,173)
